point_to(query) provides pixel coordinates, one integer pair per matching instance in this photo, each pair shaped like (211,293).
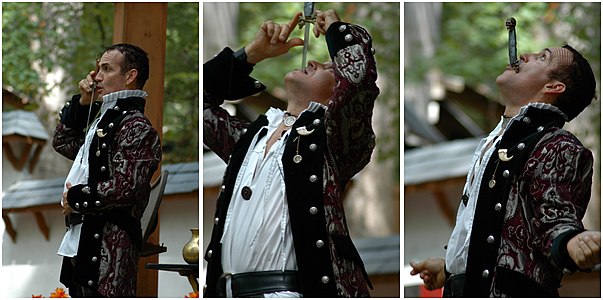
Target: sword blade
(306,42)
(308,11)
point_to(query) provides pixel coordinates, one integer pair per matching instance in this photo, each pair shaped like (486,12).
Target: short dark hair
(580,84)
(134,58)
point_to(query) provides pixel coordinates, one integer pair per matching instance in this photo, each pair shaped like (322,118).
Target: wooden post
(144,25)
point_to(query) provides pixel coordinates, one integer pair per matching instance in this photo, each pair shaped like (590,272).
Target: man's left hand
(324,19)
(585,249)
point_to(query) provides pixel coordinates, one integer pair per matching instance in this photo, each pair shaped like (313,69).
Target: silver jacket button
(257,84)
(85,204)
(325,279)
(485,273)
(313,147)
(320,244)
(490,239)
(497,207)
(94,259)
(96,236)
(348,37)
(97,203)
(116,107)
(209,253)
(316,122)
(342,28)
(111,125)
(103,169)
(520,146)
(313,210)
(506,173)
(216,220)
(526,120)
(313,178)
(77,205)
(90,282)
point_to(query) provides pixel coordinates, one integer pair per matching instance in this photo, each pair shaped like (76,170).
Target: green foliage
(181,101)
(474,36)
(39,37)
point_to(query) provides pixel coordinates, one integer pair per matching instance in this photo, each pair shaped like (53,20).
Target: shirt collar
(110,100)
(275,115)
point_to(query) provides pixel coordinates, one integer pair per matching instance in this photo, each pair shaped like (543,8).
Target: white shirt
(458,245)
(80,168)
(257,233)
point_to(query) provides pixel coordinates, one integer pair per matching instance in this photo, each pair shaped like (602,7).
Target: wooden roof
(25,194)
(381,255)
(23,123)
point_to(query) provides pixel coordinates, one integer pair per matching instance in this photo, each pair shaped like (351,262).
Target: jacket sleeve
(136,155)
(225,78)
(561,191)
(70,132)
(349,127)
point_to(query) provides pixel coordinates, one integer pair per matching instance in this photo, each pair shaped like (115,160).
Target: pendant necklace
(289,119)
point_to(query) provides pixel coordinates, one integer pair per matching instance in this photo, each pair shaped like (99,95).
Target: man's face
(529,83)
(317,81)
(110,78)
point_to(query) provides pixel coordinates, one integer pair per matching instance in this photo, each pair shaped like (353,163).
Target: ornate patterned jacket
(124,154)
(340,146)
(532,199)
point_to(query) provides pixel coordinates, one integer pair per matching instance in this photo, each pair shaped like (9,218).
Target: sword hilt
(513,61)
(309,15)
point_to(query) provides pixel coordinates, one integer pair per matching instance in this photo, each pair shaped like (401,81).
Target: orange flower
(37,296)
(192,295)
(59,293)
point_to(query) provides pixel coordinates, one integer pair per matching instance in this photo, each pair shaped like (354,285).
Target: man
(519,223)
(280,229)
(108,186)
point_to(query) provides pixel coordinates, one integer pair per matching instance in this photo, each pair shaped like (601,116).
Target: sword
(308,17)
(513,61)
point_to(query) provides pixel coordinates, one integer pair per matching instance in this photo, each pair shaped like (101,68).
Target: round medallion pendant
(297,159)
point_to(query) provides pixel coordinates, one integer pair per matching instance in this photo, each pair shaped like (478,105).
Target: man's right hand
(431,271)
(585,249)
(86,88)
(271,40)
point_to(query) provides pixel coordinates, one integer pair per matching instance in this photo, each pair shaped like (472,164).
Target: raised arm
(349,127)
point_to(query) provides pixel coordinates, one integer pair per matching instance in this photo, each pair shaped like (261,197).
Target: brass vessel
(190,251)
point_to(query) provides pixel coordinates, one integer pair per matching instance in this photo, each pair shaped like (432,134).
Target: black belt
(257,283)
(454,285)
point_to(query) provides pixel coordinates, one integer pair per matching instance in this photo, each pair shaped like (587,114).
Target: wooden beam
(8,150)
(18,163)
(9,227)
(144,25)
(35,158)
(42,225)
(444,205)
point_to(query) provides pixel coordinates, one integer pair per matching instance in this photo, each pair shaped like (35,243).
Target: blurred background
(47,48)
(372,198)
(453,52)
